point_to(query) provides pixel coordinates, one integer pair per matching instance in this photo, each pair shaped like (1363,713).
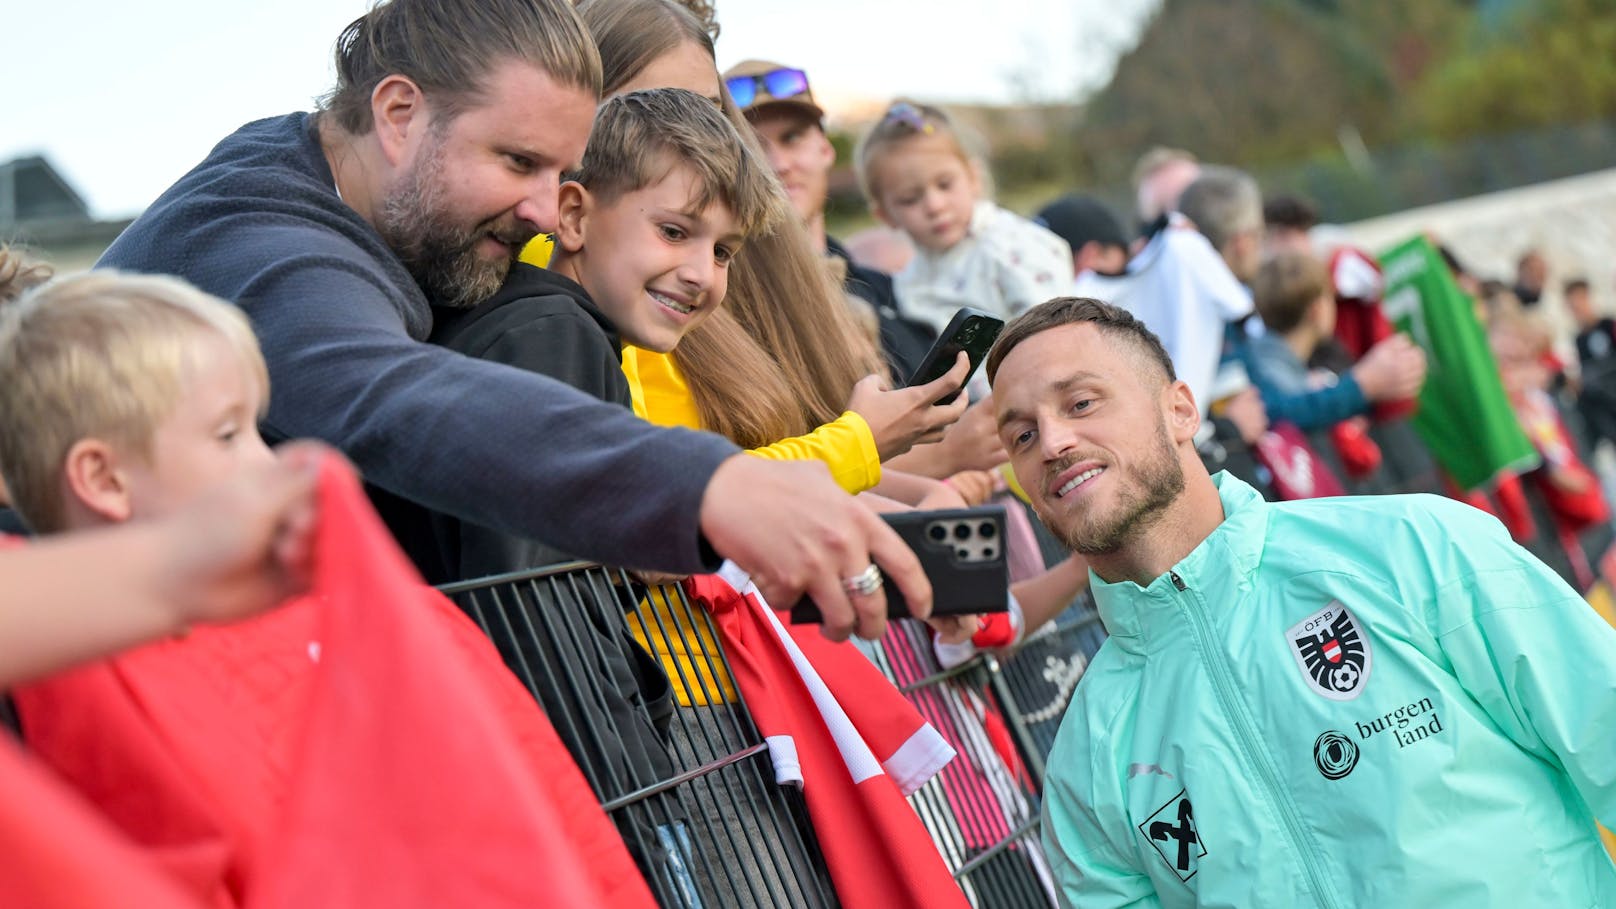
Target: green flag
(1464,416)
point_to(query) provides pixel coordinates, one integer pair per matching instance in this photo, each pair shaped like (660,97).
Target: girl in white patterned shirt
(920,179)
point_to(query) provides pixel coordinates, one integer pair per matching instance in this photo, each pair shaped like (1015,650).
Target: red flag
(849,747)
(361,747)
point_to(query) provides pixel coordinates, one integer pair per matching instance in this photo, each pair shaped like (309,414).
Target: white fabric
(783,755)
(1183,291)
(919,759)
(1005,265)
(1356,277)
(861,762)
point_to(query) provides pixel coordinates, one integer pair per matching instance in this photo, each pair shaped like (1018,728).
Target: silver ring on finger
(864,583)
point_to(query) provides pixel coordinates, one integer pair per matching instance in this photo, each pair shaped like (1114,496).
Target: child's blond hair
(640,137)
(904,121)
(99,355)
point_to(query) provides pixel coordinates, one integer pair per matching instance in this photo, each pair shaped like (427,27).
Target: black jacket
(608,699)
(903,340)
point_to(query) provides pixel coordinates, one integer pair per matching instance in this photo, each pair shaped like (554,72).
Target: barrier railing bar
(944,676)
(512,577)
(977,860)
(1031,755)
(646,792)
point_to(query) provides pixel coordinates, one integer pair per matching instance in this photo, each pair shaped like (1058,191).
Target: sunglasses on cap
(777,85)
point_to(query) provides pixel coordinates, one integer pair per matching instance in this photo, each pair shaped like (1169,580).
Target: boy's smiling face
(211,434)
(655,266)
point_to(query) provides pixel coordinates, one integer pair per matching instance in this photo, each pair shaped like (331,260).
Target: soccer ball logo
(1332,652)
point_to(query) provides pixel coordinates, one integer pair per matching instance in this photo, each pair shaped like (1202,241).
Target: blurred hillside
(1368,107)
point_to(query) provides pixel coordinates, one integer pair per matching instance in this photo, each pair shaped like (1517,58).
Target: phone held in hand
(972,331)
(962,552)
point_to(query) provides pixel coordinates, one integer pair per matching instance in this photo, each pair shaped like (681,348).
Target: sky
(125,98)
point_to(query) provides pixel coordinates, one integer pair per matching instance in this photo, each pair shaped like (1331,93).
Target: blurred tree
(1550,63)
(1261,81)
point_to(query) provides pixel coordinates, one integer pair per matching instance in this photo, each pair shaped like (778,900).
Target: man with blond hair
(436,157)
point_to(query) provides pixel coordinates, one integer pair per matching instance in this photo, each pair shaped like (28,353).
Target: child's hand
(1570,480)
(973,443)
(656,578)
(954,629)
(901,418)
(974,486)
(1392,370)
(246,546)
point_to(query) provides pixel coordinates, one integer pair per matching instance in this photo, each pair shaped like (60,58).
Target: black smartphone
(972,331)
(961,551)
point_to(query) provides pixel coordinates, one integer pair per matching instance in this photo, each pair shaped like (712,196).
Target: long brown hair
(784,352)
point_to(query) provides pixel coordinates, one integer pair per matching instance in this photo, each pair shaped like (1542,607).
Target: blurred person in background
(779,104)
(1531,277)
(1094,234)
(1288,224)
(1159,178)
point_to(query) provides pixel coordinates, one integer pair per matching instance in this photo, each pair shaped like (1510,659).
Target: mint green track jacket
(1360,702)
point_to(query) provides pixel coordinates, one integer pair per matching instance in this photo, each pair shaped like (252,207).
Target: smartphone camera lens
(987,530)
(962,531)
(989,553)
(937,532)
(965,553)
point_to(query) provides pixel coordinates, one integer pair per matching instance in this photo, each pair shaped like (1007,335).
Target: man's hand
(1393,370)
(901,418)
(246,545)
(789,526)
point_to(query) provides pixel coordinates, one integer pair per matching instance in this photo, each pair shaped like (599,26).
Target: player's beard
(1142,499)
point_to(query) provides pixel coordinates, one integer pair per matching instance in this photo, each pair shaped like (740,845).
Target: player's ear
(1183,415)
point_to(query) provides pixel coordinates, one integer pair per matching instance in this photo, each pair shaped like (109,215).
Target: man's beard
(441,256)
(1155,484)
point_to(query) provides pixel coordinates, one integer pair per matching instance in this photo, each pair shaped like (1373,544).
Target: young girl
(919,178)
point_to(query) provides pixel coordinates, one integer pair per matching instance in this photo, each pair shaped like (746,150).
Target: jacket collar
(1223,565)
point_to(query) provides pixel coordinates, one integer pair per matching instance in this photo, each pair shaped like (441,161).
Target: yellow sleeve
(538,250)
(661,396)
(846,445)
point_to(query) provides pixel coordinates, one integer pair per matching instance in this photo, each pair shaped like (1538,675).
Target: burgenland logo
(1332,652)
(1171,830)
(1334,754)
(1408,724)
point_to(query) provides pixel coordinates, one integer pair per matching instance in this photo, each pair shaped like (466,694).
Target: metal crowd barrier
(1037,681)
(691,788)
(981,809)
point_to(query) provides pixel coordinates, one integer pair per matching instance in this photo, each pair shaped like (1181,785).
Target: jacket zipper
(1224,687)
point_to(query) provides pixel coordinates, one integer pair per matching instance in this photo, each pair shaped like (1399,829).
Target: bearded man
(1339,702)
(436,157)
